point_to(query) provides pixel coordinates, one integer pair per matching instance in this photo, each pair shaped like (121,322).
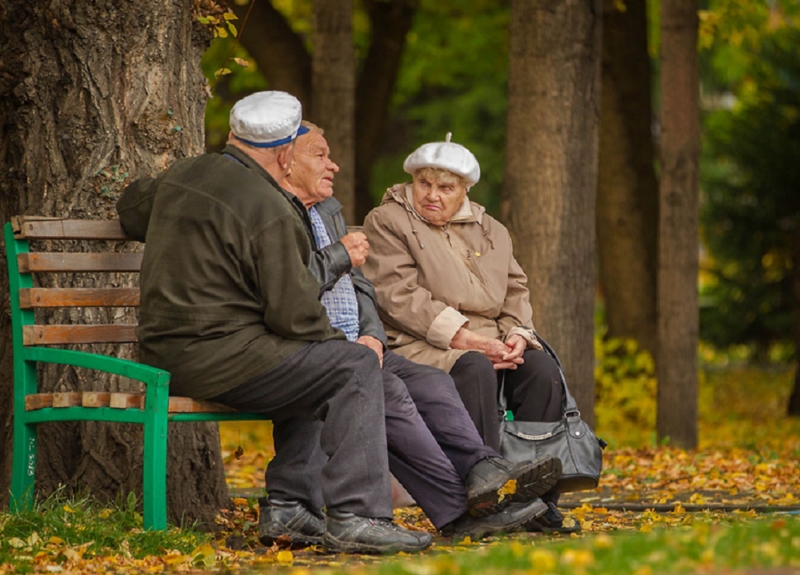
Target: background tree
(277,41)
(676,357)
(333,90)
(94,93)
(551,172)
(627,190)
(751,212)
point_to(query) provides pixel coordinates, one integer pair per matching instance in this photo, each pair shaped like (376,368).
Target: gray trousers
(432,443)
(326,402)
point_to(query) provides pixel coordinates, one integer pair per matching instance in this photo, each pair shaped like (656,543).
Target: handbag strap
(569,407)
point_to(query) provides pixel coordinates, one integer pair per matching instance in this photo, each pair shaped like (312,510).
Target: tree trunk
(678,317)
(551,173)
(794,401)
(333,83)
(627,191)
(94,93)
(390,22)
(278,50)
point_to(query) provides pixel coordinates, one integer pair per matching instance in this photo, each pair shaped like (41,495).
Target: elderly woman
(451,294)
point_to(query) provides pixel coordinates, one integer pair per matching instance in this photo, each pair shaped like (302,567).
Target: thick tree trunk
(678,317)
(333,83)
(627,191)
(551,173)
(94,93)
(390,22)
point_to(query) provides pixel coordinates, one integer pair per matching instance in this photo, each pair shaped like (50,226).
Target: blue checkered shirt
(340,302)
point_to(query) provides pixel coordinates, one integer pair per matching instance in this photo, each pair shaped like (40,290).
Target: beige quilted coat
(432,280)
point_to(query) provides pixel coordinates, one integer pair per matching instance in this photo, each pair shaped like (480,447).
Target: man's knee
(397,400)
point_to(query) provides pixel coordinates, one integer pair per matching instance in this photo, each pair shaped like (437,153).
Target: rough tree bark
(333,85)
(94,93)
(678,317)
(551,172)
(627,191)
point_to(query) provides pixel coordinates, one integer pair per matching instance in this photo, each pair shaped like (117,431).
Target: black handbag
(570,439)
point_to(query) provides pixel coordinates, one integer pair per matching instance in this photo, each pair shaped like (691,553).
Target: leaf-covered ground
(732,504)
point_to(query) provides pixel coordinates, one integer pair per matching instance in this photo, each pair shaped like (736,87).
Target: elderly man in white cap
(229,307)
(452,296)
(434,449)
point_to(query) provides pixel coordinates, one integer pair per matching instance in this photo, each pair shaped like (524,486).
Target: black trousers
(533,391)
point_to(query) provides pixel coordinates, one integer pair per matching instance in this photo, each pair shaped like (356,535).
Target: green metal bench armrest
(150,376)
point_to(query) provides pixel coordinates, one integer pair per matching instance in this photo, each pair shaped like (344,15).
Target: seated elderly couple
(251,297)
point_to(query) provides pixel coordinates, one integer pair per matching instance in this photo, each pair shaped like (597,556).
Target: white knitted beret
(267,119)
(445,155)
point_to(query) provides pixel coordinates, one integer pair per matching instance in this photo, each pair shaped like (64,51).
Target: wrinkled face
(311,178)
(437,195)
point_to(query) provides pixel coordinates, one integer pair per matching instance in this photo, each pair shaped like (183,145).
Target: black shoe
(487,479)
(288,518)
(510,518)
(348,533)
(553,521)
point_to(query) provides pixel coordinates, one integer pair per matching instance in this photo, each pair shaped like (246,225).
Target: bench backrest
(25,298)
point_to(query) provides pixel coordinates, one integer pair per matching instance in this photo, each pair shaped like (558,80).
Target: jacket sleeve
(369,321)
(403,303)
(515,317)
(292,309)
(135,205)
(329,264)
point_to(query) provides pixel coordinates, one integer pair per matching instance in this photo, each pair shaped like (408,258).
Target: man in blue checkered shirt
(434,449)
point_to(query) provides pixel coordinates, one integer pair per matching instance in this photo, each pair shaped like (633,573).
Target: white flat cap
(267,119)
(445,155)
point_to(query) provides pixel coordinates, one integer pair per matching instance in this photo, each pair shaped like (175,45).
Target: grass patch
(60,528)
(701,546)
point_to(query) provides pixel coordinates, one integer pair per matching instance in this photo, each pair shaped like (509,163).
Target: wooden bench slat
(96,399)
(79,262)
(61,334)
(118,400)
(67,399)
(189,405)
(58,228)
(30,298)
(121,400)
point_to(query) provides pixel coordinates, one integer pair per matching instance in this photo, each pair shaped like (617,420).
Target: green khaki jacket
(226,290)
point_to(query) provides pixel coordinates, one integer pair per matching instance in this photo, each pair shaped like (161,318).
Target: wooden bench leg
(23,472)
(155,469)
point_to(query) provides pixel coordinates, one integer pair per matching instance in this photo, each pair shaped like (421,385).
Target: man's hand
(357,247)
(374,344)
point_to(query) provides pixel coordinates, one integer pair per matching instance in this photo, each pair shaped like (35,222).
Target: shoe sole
(298,540)
(333,545)
(538,510)
(539,478)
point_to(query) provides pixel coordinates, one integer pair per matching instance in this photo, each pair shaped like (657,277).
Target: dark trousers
(433,444)
(326,398)
(533,391)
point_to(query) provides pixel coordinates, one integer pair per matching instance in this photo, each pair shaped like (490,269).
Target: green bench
(153,408)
